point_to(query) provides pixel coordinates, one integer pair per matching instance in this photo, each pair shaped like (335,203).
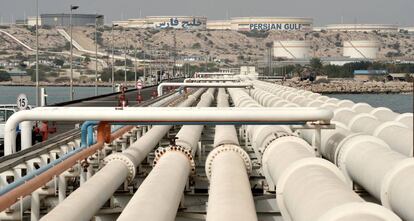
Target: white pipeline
(200,115)
(309,188)
(371,163)
(227,167)
(158,197)
(396,133)
(201,85)
(90,197)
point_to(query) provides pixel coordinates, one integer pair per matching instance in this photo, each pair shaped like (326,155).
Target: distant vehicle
(6,111)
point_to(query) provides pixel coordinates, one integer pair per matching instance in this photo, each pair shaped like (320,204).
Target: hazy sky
(323,11)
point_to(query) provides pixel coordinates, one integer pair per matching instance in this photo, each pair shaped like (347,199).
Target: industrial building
(262,24)
(363,27)
(77,19)
(366,75)
(64,20)
(164,22)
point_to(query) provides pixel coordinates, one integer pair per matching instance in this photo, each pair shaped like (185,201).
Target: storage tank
(291,49)
(361,49)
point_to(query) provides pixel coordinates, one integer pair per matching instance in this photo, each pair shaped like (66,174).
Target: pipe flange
(124,159)
(161,151)
(277,135)
(224,148)
(403,165)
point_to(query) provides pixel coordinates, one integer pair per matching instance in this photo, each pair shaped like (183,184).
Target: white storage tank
(291,49)
(361,49)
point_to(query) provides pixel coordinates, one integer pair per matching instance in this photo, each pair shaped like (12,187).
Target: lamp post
(113,60)
(72,7)
(97,17)
(125,73)
(37,54)
(135,64)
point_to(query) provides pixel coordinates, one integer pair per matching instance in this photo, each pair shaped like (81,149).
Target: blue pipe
(87,137)
(46,167)
(86,126)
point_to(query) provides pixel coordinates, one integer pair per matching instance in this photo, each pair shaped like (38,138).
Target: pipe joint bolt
(225,148)
(126,160)
(161,151)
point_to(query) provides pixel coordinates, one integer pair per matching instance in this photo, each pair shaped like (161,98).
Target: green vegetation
(119,75)
(4,76)
(196,46)
(347,70)
(44,72)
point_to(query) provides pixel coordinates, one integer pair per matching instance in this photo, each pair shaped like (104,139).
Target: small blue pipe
(86,126)
(87,137)
(46,167)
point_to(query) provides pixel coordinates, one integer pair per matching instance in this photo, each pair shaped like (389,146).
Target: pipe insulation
(227,167)
(370,162)
(90,197)
(310,188)
(158,197)
(381,113)
(224,134)
(398,135)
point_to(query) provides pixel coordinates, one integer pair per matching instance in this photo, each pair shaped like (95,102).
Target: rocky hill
(229,46)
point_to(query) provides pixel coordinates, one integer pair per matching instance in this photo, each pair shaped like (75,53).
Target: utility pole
(135,64)
(37,54)
(174,54)
(125,73)
(113,60)
(96,53)
(72,7)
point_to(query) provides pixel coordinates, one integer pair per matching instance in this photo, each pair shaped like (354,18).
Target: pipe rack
(165,116)
(90,197)
(172,166)
(201,85)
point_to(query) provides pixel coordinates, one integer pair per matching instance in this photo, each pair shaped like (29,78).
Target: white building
(263,24)
(164,22)
(363,27)
(31,21)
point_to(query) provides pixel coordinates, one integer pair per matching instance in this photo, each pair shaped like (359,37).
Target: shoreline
(354,87)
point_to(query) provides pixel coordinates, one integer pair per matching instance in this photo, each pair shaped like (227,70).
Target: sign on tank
(275,26)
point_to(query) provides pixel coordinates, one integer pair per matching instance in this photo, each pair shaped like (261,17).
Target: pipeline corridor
(340,161)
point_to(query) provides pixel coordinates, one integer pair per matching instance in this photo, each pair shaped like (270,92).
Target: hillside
(230,46)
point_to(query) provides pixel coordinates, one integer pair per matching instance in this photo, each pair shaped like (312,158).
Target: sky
(400,12)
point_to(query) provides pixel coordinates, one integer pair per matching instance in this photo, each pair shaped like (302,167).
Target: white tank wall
(361,49)
(291,49)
